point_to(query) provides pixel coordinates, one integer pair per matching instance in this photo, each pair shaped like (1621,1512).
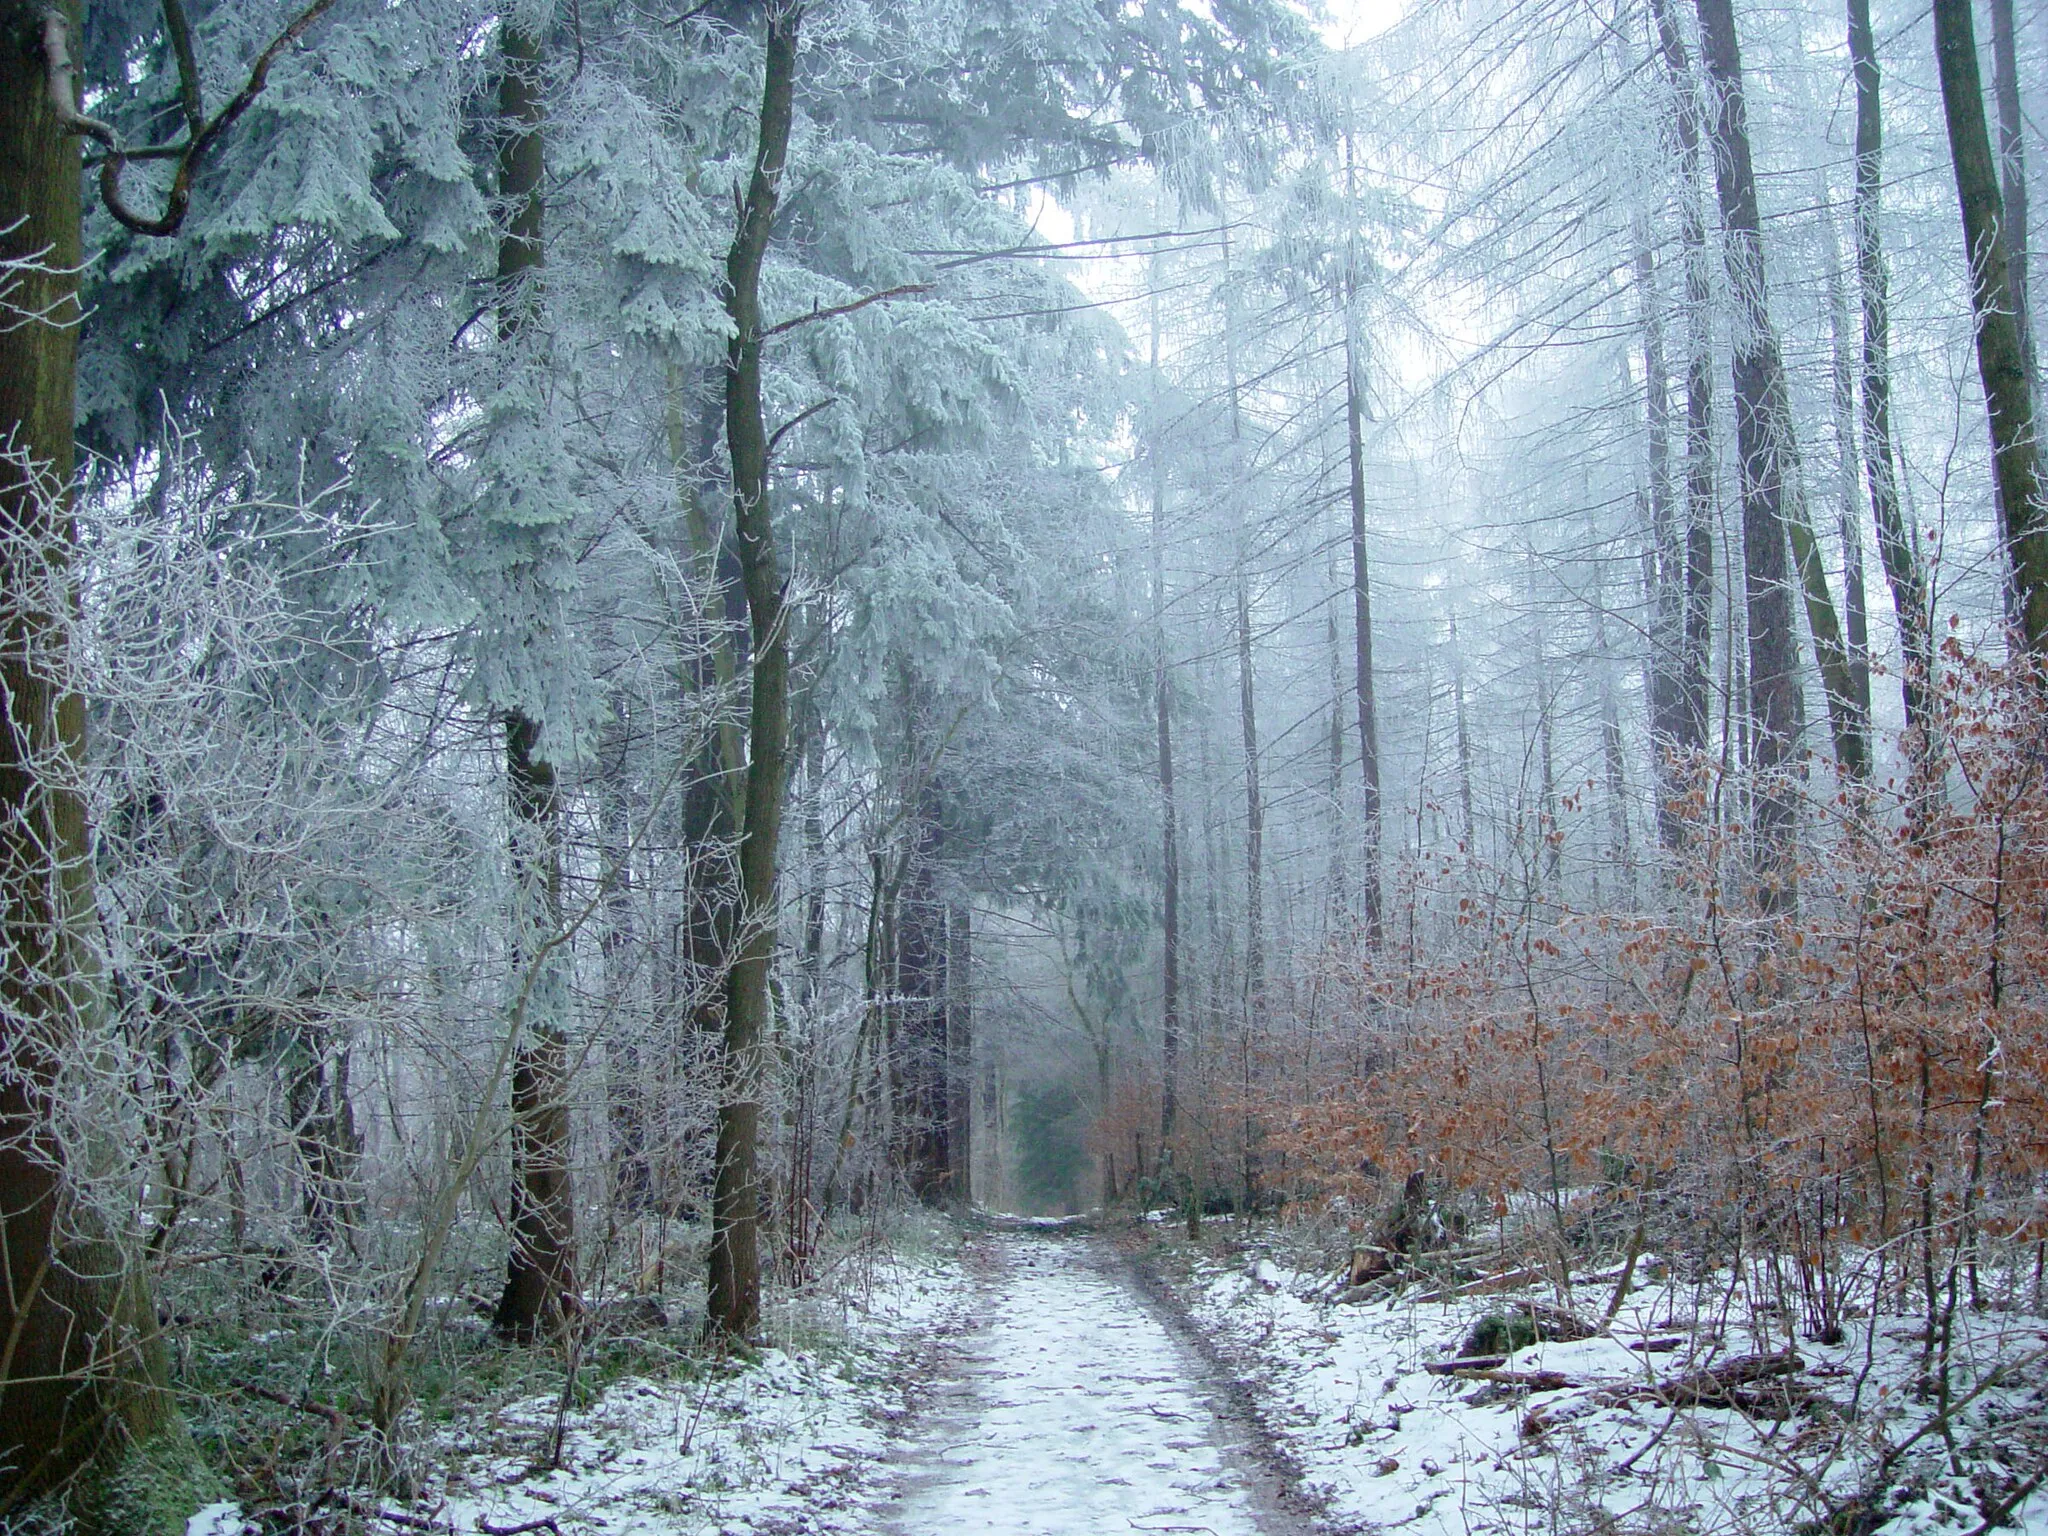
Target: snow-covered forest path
(1074,1409)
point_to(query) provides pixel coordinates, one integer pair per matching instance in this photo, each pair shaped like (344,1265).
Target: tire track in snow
(1072,1409)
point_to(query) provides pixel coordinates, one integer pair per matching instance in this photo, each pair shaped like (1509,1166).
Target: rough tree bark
(734,1303)
(540,1274)
(540,1295)
(2001,354)
(84,1406)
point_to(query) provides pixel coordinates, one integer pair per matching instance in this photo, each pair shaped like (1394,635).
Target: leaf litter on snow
(1709,1424)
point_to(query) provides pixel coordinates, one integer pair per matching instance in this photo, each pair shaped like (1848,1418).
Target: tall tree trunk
(1848,475)
(1667,559)
(540,1275)
(1254,801)
(626,1097)
(1763,430)
(1162,705)
(1613,758)
(715,651)
(2001,355)
(2012,177)
(1896,549)
(1766,441)
(324,1128)
(814,858)
(84,1406)
(960,1052)
(921,990)
(1701,511)
(734,1306)
(1848,722)
(1369,877)
(1550,823)
(1464,731)
(1337,893)
(540,1279)
(1254,813)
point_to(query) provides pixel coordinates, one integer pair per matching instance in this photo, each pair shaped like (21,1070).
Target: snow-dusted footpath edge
(796,1442)
(1232,1378)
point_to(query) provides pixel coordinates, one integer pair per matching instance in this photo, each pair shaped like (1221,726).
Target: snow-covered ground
(796,1441)
(1025,1385)
(1072,1410)
(1384,1444)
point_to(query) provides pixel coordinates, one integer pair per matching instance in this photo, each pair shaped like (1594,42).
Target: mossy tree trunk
(85,1409)
(734,1303)
(2001,348)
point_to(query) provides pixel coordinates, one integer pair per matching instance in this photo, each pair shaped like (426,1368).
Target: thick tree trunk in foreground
(84,1408)
(2001,354)
(734,1304)
(540,1276)
(1895,547)
(1763,430)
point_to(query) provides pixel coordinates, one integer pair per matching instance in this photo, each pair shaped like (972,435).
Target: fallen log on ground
(1753,1384)
(1464,1363)
(1534,1381)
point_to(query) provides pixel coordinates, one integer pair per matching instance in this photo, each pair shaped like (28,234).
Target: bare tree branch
(900,291)
(64,98)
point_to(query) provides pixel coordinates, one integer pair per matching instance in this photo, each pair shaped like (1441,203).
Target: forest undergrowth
(1727,1214)
(629,1421)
